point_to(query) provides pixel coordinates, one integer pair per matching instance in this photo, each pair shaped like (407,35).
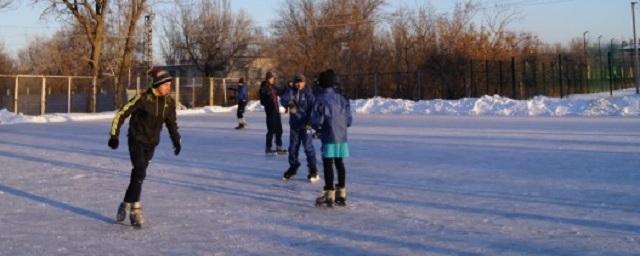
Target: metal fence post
(501,79)
(178,91)
(610,74)
(513,77)
(43,96)
(210,91)
(375,84)
(486,70)
(472,86)
(137,85)
(193,92)
(68,94)
(560,74)
(544,79)
(224,87)
(95,91)
(419,85)
(15,95)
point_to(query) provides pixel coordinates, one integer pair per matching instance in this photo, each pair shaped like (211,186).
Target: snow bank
(623,103)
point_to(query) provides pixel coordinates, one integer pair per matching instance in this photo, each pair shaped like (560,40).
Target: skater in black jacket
(148,111)
(269,99)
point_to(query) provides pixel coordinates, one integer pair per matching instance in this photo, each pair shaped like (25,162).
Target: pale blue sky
(552,20)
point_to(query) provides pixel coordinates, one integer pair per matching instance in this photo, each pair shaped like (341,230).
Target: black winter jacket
(269,98)
(148,113)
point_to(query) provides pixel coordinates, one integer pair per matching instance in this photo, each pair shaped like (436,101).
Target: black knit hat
(159,76)
(327,78)
(298,78)
(270,75)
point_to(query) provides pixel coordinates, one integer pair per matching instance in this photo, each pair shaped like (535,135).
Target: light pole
(635,47)
(600,61)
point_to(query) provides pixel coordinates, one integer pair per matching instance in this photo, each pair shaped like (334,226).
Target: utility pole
(148,40)
(635,47)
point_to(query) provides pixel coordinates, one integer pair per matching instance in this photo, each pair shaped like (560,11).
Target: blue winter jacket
(300,104)
(241,94)
(331,116)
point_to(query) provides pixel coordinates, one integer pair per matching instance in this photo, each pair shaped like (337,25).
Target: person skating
(269,99)
(241,98)
(149,111)
(299,100)
(330,117)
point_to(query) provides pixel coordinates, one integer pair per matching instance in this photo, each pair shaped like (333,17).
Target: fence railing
(38,94)
(41,94)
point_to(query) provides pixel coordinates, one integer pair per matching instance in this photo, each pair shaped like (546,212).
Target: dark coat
(269,98)
(241,94)
(331,116)
(300,104)
(148,112)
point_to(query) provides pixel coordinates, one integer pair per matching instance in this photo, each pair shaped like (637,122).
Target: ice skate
(280,150)
(269,152)
(136,215)
(122,211)
(289,173)
(341,196)
(313,176)
(327,199)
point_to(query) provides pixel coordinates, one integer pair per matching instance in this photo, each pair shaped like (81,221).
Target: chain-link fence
(555,76)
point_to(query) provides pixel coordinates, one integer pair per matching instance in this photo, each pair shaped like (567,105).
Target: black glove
(176,148)
(113,142)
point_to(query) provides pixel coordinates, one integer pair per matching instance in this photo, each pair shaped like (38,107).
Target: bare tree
(124,25)
(6,62)
(208,35)
(314,35)
(57,55)
(109,28)
(91,16)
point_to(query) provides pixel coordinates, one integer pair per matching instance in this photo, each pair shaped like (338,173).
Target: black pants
(328,172)
(241,106)
(274,127)
(140,155)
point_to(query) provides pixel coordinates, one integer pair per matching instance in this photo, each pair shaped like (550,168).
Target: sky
(554,21)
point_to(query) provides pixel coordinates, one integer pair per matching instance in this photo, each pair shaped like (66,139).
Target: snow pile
(624,104)
(7,117)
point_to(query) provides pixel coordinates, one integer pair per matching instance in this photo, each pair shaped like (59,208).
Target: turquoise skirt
(335,150)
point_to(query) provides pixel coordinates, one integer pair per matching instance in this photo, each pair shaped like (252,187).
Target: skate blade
(324,205)
(313,180)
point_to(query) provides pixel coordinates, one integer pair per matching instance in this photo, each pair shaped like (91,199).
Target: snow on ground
(622,103)
(418,185)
